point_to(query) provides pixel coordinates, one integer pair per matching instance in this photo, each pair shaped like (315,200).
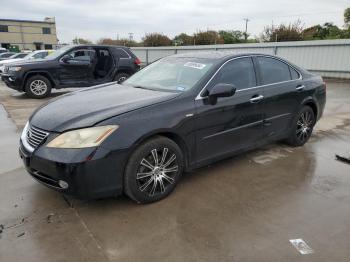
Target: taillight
(137,61)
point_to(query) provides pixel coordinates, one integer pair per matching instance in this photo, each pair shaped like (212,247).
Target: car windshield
(171,74)
(58,52)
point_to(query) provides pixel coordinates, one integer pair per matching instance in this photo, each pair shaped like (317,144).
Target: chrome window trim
(199,97)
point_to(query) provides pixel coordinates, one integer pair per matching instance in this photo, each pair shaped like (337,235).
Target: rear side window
(294,73)
(239,72)
(121,53)
(273,70)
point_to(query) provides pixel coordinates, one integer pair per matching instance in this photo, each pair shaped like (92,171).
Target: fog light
(63,184)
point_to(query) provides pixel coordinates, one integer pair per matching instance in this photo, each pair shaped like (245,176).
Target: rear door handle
(300,87)
(256,99)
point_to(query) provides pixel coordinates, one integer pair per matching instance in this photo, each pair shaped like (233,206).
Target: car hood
(87,107)
(24,62)
(7,61)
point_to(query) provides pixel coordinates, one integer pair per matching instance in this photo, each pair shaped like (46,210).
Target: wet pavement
(245,208)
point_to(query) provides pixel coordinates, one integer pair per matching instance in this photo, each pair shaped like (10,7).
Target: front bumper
(98,173)
(12,81)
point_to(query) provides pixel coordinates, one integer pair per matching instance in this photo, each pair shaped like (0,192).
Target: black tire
(38,86)
(143,178)
(121,77)
(302,127)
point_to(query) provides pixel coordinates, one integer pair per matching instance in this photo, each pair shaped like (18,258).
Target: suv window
(273,70)
(239,72)
(82,55)
(121,53)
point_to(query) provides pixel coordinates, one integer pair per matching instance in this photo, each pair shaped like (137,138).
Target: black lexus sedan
(177,114)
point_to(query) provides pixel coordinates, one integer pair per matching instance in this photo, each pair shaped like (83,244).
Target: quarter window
(238,72)
(4,28)
(273,70)
(121,53)
(294,73)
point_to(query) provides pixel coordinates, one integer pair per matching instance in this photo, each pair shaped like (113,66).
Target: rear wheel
(302,127)
(153,170)
(38,86)
(121,77)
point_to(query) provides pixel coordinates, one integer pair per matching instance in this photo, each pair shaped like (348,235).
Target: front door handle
(256,99)
(300,87)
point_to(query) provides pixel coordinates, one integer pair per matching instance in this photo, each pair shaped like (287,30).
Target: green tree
(81,41)
(156,39)
(183,39)
(347,16)
(326,31)
(207,38)
(232,37)
(281,33)
(120,42)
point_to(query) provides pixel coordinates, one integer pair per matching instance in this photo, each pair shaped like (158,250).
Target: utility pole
(246,28)
(131,36)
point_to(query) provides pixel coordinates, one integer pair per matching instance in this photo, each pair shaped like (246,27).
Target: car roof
(216,55)
(92,45)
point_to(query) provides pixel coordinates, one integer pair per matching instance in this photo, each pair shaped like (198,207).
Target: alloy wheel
(38,87)
(157,171)
(304,126)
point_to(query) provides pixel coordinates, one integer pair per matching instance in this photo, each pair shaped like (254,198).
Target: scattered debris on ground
(21,235)
(343,158)
(49,218)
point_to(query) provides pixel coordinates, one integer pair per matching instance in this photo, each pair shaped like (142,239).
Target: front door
(75,68)
(233,123)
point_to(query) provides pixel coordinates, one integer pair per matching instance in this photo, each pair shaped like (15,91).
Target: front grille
(36,136)
(6,69)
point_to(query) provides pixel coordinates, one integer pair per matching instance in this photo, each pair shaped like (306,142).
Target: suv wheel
(121,77)
(302,127)
(153,170)
(38,86)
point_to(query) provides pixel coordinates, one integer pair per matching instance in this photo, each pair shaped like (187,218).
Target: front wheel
(38,86)
(153,170)
(302,127)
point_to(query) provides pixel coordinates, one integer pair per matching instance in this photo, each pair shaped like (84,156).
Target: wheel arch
(42,73)
(170,135)
(311,103)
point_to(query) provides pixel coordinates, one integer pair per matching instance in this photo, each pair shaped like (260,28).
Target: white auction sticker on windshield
(195,65)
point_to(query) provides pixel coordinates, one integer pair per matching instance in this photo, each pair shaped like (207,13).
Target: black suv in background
(71,66)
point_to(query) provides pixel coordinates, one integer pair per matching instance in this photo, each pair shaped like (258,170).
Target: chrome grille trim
(35,136)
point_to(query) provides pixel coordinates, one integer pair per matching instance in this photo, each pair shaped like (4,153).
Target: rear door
(283,91)
(233,123)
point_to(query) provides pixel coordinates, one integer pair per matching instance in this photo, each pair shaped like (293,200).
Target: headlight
(82,138)
(15,68)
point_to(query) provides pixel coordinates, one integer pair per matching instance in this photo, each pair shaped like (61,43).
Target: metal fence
(329,58)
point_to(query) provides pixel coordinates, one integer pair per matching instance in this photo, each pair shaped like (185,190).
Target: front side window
(172,74)
(238,72)
(46,30)
(273,70)
(82,55)
(4,28)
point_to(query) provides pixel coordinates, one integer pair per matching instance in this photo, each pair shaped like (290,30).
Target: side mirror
(220,90)
(65,59)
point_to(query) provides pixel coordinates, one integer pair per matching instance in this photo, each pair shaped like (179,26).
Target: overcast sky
(94,19)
